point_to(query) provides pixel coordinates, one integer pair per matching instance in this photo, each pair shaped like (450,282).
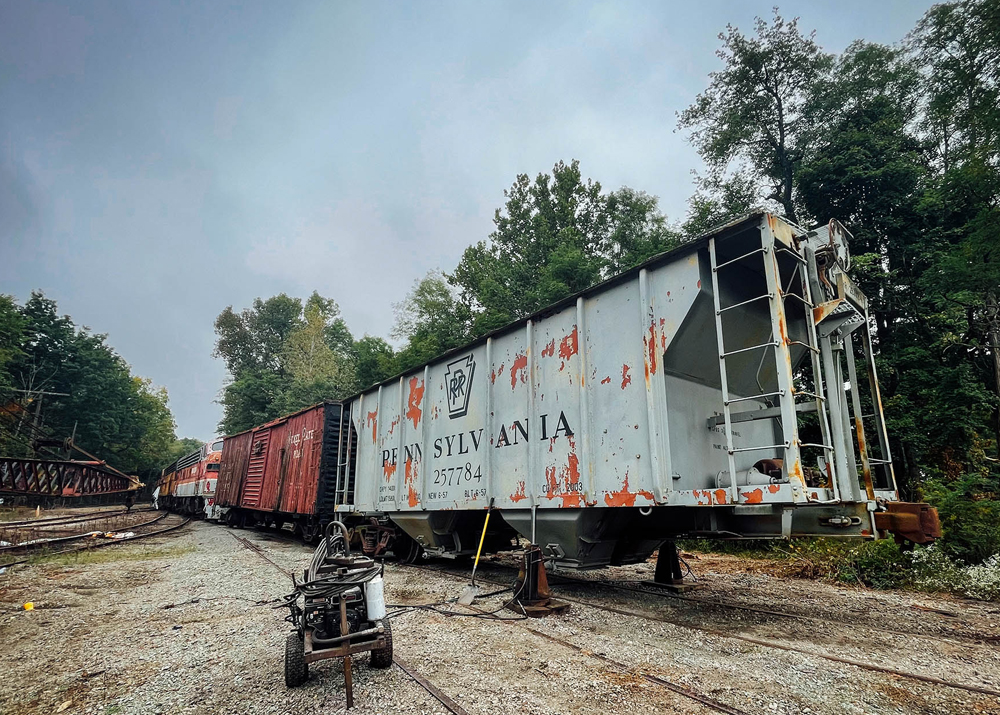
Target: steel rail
(655,679)
(254,548)
(42,543)
(427,685)
(626,586)
(102,544)
(66,519)
(756,641)
(960,640)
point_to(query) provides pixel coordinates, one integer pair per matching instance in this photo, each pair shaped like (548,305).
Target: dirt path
(185,624)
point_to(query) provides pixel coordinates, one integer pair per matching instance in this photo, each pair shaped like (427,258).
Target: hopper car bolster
(713,391)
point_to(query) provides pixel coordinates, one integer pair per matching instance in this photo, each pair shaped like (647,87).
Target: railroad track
(561,579)
(728,634)
(457,709)
(431,689)
(102,544)
(957,639)
(44,543)
(68,519)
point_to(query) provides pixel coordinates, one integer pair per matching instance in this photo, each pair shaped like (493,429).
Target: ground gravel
(183,624)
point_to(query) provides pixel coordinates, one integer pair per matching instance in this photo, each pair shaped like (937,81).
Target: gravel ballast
(185,623)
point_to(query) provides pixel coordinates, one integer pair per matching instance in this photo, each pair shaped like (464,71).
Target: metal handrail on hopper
(773,275)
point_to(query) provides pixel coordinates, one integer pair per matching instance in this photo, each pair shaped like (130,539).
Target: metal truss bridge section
(54,478)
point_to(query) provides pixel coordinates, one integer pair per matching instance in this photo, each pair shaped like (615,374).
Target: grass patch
(874,564)
(109,554)
(16,513)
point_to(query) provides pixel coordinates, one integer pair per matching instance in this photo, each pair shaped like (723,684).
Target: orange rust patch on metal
(606,380)
(650,366)
(754,497)
(389,469)
(626,378)
(796,472)
(409,477)
(699,284)
(551,484)
(550,349)
(373,421)
(519,494)
(773,488)
(721,496)
(520,366)
(569,346)
(623,497)
(413,411)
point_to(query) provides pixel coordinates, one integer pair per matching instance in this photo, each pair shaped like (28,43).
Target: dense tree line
(58,380)
(902,144)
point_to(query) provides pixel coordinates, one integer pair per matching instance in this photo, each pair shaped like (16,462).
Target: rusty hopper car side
(668,401)
(284,471)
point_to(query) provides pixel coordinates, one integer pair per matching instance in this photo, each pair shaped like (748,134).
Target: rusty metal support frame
(859,423)
(792,465)
(40,477)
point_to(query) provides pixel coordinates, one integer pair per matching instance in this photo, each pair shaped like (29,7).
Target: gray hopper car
(713,391)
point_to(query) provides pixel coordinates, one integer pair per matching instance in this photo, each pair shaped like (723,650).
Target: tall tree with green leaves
(555,236)
(70,382)
(282,355)
(753,113)
(432,320)
(958,44)
(374,361)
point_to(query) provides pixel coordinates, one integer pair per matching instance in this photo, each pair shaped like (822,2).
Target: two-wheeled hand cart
(342,611)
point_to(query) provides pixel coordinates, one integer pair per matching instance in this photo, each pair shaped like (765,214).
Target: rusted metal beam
(53,478)
(910,521)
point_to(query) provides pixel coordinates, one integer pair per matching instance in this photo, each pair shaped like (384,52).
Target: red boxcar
(287,470)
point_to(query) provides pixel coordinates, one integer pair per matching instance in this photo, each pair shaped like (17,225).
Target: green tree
(282,355)
(555,236)
(754,109)
(374,361)
(718,200)
(432,320)
(92,392)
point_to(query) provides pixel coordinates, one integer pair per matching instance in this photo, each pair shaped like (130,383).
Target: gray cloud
(158,163)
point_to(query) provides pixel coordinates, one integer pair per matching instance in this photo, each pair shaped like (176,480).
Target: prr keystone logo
(458,384)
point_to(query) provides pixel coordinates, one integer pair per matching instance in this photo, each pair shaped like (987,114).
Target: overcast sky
(160,161)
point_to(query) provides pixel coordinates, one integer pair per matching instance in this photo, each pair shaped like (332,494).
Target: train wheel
(310,533)
(382,657)
(411,551)
(296,668)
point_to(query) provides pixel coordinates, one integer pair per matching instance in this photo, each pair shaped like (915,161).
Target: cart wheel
(382,658)
(296,668)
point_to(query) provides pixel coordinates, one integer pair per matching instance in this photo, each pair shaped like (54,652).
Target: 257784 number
(450,476)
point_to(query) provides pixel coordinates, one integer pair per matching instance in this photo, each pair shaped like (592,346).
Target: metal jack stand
(532,595)
(668,573)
